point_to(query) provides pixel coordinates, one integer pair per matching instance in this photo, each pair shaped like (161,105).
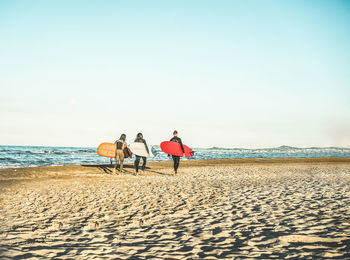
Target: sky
(249,74)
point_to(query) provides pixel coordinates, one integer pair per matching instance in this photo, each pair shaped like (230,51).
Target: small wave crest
(28,156)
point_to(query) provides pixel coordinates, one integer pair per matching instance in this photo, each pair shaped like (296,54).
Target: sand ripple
(212,212)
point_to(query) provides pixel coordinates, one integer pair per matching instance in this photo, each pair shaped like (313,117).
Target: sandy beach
(230,209)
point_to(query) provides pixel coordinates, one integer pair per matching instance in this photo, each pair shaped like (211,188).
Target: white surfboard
(140,149)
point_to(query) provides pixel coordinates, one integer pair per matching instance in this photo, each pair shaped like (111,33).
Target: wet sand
(231,209)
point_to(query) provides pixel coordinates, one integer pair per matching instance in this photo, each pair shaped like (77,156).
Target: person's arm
(129,153)
(144,141)
(182,147)
(127,150)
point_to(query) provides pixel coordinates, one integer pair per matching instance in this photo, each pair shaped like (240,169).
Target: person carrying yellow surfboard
(119,153)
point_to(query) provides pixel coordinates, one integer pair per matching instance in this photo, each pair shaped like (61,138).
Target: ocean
(30,156)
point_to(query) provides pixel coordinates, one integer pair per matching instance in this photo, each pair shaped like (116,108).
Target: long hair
(123,137)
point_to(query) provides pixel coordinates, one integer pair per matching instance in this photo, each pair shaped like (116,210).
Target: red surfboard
(174,148)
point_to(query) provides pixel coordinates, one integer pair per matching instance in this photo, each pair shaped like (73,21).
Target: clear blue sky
(223,73)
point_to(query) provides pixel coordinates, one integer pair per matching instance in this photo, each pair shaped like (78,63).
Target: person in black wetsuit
(139,139)
(176,159)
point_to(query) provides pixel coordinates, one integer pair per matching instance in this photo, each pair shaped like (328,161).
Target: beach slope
(257,208)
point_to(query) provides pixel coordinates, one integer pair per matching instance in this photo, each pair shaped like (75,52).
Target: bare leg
(116,162)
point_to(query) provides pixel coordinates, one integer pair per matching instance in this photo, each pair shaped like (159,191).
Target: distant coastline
(201,148)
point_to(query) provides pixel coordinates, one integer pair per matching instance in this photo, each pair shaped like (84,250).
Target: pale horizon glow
(246,74)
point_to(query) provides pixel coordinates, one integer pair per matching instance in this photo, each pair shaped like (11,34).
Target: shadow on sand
(108,168)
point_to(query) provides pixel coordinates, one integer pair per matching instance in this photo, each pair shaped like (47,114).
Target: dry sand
(232,209)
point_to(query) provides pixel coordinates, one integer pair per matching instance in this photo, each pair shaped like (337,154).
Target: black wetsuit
(137,160)
(119,144)
(176,159)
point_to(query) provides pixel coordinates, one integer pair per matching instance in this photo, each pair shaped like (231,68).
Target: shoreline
(152,168)
(207,162)
(13,176)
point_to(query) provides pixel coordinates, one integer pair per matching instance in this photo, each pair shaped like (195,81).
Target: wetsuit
(137,160)
(176,159)
(119,154)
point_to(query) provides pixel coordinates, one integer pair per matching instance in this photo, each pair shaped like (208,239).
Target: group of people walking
(123,152)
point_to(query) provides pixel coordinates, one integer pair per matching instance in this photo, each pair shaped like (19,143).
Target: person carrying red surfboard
(119,153)
(176,159)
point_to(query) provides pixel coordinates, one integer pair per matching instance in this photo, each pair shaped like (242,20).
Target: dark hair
(175,132)
(123,137)
(139,135)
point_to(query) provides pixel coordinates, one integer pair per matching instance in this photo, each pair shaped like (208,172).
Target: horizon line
(213,147)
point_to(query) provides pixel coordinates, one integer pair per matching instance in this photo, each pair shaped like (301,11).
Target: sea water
(29,156)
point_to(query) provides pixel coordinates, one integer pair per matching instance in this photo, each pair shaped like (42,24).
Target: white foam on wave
(15,156)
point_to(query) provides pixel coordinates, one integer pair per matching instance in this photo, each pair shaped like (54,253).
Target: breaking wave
(28,156)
